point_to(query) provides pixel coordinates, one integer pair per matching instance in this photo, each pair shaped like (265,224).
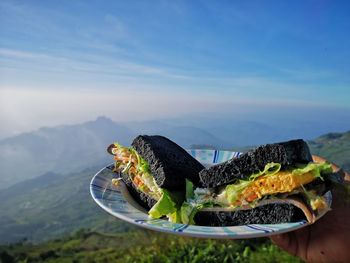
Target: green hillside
(51,206)
(335,147)
(143,246)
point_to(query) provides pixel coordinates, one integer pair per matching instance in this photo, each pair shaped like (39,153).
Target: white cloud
(78,62)
(17,53)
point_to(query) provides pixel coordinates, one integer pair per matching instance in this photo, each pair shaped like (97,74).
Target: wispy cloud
(19,54)
(25,18)
(90,63)
(65,32)
(309,74)
(110,73)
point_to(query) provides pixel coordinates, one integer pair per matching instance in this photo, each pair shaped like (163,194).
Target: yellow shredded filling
(281,182)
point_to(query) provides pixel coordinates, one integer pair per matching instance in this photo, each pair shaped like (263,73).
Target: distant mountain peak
(100,121)
(103,119)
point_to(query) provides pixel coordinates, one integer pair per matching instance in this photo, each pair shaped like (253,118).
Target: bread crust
(266,214)
(141,198)
(170,164)
(286,153)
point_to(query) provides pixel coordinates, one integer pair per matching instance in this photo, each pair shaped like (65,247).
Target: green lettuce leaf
(188,212)
(317,169)
(195,201)
(175,217)
(269,169)
(164,206)
(233,191)
(189,190)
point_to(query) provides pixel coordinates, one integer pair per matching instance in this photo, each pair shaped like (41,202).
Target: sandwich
(274,183)
(155,170)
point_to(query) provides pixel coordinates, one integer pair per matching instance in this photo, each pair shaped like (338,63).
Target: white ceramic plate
(118,202)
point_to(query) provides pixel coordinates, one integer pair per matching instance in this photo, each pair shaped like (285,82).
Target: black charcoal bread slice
(266,214)
(286,153)
(143,199)
(170,164)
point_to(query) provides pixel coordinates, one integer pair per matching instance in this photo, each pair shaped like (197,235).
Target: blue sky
(69,61)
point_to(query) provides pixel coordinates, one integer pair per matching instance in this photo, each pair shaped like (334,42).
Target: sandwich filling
(271,183)
(129,162)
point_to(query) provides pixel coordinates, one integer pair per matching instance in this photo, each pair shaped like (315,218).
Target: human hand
(327,240)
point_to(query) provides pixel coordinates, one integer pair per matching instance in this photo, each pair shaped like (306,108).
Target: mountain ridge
(71,148)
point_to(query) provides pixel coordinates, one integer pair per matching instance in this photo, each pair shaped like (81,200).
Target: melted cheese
(281,182)
(318,203)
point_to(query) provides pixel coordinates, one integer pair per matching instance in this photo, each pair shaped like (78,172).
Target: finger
(282,240)
(287,242)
